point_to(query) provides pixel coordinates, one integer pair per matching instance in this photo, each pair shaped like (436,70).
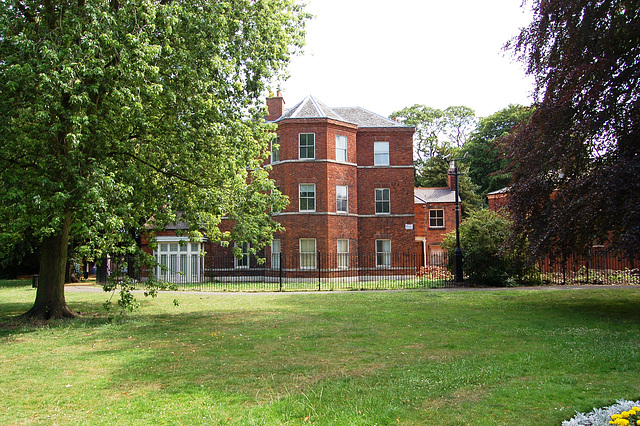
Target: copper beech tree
(112,112)
(576,163)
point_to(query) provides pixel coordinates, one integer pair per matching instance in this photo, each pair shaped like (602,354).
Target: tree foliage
(437,129)
(434,172)
(439,136)
(578,159)
(488,166)
(114,111)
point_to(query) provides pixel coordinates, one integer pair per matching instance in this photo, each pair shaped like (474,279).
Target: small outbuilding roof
(504,190)
(434,195)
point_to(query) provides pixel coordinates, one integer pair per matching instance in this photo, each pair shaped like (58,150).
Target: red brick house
(348,173)
(435,216)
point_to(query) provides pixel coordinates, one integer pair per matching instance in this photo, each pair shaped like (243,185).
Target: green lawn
(413,357)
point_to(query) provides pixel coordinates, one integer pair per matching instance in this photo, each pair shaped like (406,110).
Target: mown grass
(411,357)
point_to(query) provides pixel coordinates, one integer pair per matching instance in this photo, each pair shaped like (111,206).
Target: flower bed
(622,413)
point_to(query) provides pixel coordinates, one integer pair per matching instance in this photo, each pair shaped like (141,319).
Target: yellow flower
(616,416)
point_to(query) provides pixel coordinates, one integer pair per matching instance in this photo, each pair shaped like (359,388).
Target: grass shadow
(14,283)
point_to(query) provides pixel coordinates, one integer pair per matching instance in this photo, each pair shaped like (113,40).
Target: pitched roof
(310,107)
(434,195)
(366,118)
(504,190)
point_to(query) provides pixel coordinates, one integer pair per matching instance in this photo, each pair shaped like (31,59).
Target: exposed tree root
(48,313)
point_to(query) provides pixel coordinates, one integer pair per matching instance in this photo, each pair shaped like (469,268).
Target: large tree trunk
(50,302)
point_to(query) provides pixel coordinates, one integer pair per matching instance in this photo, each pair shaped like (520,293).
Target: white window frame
(307,258)
(300,197)
(275,150)
(306,147)
(383,258)
(381,201)
(433,220)
(178,260)
(343,253)
(342,201)
(381,154)
(342,145)
(242,262)
(276,249)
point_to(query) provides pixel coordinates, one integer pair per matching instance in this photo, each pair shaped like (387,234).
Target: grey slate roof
(310,107)
(434,195)
(366,118)
(504,190)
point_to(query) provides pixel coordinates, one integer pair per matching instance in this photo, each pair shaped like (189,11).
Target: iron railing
(372,271)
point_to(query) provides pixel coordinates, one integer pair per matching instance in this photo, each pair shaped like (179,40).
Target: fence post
(588,266)
(280,269)
(319,269)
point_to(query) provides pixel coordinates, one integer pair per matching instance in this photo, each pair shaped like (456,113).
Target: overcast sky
(386,55)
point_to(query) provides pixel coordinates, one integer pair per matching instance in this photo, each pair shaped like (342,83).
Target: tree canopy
(488,166)
(577,160)
(116,111)
(440,136)
(436,128)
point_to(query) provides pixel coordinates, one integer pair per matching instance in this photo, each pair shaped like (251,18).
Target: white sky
(384,56)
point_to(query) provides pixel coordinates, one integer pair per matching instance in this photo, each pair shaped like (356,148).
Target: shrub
(482,236)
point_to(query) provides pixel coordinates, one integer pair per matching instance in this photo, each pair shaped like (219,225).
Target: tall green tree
(488,166)
(113,111)
(429,125)
(459,122)
(578,159)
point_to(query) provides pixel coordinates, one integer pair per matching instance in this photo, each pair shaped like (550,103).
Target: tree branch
(157,169)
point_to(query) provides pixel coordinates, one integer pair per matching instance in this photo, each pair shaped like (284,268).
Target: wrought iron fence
(318,272)
(598,267)
(368,271)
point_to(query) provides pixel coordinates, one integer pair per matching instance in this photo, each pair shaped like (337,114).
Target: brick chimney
(451,174)
(275,106)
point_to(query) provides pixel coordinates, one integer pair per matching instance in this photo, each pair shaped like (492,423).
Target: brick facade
(360,224)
